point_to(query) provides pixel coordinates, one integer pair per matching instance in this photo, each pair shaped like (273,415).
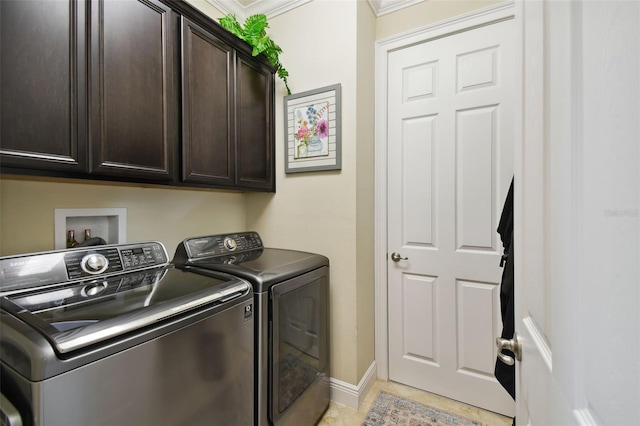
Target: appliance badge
(248,312)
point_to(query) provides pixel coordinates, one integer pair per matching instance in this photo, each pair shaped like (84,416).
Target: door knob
(512,345)
(396,257)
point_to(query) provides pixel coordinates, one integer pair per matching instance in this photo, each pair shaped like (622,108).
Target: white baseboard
(351,395)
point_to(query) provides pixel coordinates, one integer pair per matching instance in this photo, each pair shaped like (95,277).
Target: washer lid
(85,313)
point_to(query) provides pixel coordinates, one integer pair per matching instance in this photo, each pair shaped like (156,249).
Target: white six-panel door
(450,106)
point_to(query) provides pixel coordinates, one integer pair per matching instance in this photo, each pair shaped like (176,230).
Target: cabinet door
(133,129)
(207,108)
(41,77)
(254,126)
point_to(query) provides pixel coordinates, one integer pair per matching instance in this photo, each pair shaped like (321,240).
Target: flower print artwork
(311,130)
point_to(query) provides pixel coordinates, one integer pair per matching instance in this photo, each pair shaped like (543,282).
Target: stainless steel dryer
(291,306)
(115,335)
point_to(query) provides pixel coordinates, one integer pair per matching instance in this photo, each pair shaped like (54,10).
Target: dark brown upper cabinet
(208,136)
(227,114)
(254,125)
(133,96)
(149,91)
(42,80)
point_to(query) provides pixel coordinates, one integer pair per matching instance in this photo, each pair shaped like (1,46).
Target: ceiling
(244,8)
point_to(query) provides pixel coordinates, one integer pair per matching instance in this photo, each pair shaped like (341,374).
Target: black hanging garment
(506,374)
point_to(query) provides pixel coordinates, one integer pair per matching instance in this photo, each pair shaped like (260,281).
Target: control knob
(94,263)
(230,243)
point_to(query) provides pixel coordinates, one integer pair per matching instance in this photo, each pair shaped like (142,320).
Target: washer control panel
(39,269)
(124,258)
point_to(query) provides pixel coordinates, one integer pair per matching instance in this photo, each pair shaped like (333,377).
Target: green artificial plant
(253,32)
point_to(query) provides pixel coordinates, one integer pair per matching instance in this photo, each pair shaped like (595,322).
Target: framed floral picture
(312,130)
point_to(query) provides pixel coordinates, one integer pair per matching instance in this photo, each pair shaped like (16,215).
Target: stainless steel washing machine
(292,326)
(115,335)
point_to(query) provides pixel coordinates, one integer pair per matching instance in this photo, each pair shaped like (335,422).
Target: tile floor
(341,415)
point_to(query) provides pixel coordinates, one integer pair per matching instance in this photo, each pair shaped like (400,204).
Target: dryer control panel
(221,245)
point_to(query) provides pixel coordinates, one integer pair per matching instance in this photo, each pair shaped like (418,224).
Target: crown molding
(245,8)
(382,7)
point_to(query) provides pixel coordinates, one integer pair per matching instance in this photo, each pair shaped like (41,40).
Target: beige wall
(365,189)
(324,42)
(425,13)
(169,215)
(317,211)
(206,8)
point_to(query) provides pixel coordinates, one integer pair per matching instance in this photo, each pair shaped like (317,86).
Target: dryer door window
(299,342)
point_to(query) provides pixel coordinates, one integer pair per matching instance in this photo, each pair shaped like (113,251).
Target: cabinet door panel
(39,84)
(132,90)
(254,126)
(207,107)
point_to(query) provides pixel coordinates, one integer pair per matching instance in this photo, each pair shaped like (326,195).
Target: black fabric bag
(506,374)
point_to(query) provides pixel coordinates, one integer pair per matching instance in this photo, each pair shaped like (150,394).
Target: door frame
(481,17)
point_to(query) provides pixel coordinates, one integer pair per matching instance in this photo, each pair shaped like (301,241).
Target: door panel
(475,159)
(254,126)
(133,94)
(207,107)
(450,104)
(42,85)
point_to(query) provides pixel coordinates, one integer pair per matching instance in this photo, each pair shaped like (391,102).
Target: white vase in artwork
(315,147)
